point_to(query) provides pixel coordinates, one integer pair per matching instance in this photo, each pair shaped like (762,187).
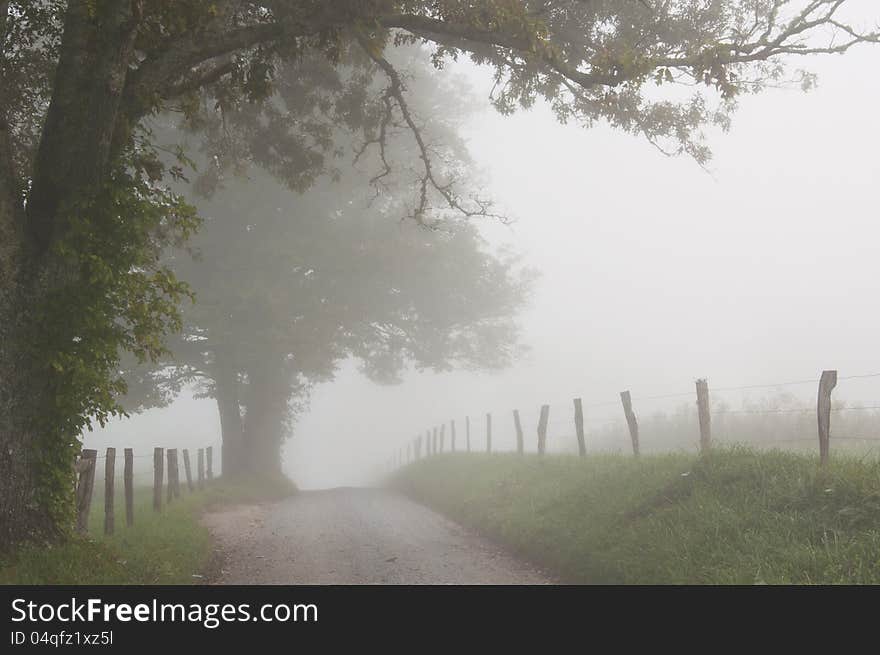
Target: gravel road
(356,536)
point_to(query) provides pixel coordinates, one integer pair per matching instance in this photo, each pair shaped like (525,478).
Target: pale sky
(654,273)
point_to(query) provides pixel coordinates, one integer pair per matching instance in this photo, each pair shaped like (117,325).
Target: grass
(738,517)
(171,547)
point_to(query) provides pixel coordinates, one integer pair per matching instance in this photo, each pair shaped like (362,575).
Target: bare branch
(428,179)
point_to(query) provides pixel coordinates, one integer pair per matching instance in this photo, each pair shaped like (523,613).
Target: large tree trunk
(38,435)
(229,405)
(36,466)
(23,510)
(74,157)
(266,417)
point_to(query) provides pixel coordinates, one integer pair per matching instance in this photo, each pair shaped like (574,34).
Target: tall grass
(167,547)
(737,517)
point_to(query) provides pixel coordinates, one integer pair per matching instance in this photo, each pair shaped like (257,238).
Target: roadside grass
(737,517)
(167,547)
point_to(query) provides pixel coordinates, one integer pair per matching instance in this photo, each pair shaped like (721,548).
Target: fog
(654,272)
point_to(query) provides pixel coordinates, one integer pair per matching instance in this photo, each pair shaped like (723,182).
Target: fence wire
(503,435)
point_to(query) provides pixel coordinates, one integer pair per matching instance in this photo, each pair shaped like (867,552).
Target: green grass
(171,547)
(739,517)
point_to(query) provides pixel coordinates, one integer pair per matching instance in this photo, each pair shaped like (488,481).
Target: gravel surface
(356,536)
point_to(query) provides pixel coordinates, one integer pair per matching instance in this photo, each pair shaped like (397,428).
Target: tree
(83,216)
(290,284)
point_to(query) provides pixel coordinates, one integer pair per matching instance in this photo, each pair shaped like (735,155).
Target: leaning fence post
(109,488)
(488,433)
(542,428)
(823,409)
(704,415)
(86,468)
(209,451)
(157,479)
(467,432)
(128,479)
(519,432)
(452,436)
(201,467)
(187,470)
(579,427)
(626,399)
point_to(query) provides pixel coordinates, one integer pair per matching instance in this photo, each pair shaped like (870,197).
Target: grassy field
(739,517)
(170,547)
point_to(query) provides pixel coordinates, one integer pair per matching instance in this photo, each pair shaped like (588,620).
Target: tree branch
(428,180)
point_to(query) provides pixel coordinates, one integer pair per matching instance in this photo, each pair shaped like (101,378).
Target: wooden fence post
(169,458)
(519,432)
(488,433)
(176,475)
(467,432)
(109,489)
(626,399)
(187,470)
(201,467)
(442,435)
(427,443)
(128,479)
(408,452)
(823,409)
(157,478)
(417,443)
(434,441)
(542,428)
(84,487)
(452,435)
(210,455)
(579,427)
(704,415)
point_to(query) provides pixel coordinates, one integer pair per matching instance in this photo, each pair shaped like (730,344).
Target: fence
(87,463)
(704,415)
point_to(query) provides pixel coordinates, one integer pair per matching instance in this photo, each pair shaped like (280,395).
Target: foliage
(107,299)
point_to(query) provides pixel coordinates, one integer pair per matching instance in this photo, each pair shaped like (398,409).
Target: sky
(654,272)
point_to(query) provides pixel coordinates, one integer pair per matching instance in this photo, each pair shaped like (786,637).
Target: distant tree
(84,213)
(288,285)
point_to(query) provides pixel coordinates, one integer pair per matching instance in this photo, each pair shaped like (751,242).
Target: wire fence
(605,425)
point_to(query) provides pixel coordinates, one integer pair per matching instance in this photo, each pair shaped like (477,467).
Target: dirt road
(356,536)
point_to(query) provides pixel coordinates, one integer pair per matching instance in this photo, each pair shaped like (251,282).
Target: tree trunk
(38,439)
(229,406)
(266,417)
(74,156)
(39,434)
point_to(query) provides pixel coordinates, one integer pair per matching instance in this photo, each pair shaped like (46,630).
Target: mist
(760,268)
